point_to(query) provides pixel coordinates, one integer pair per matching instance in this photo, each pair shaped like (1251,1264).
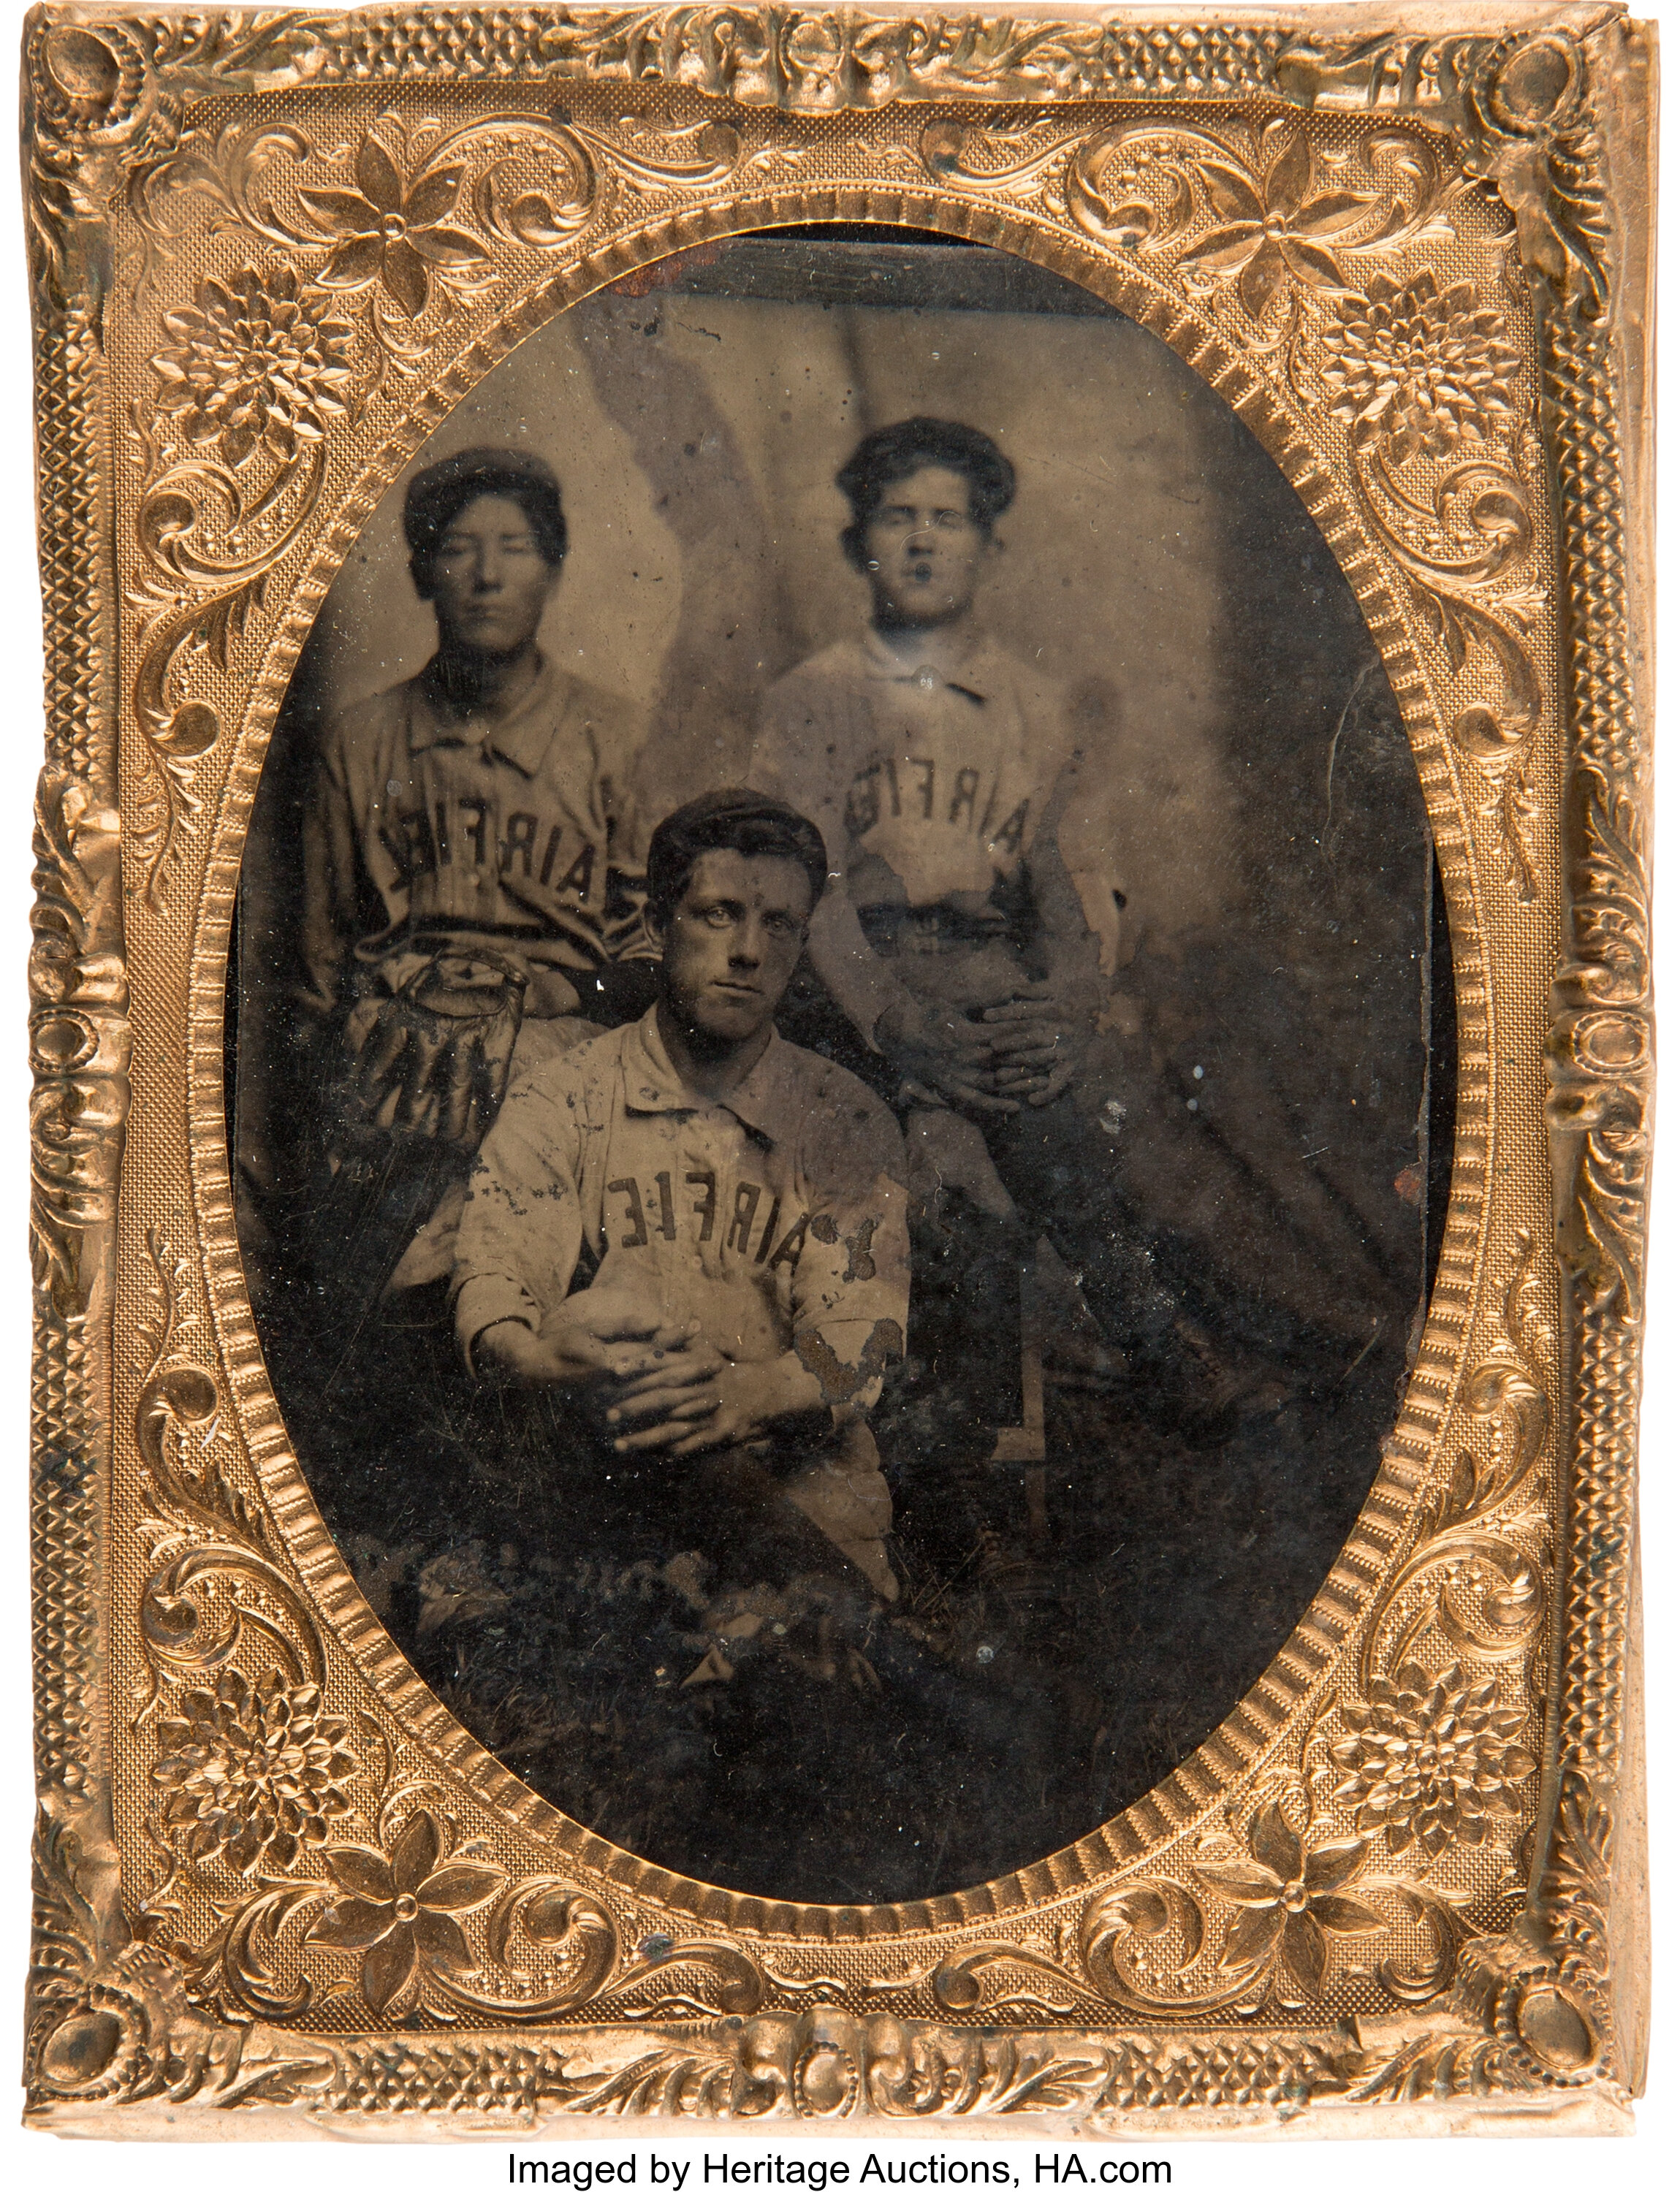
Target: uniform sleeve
(330,895)
(1061,915)
(624,931)
(803,723)
(851,1290)
(791,755)
(522,1225)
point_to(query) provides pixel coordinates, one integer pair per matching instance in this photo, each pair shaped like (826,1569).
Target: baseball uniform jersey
(774,1217)
(431,823)
(930,779)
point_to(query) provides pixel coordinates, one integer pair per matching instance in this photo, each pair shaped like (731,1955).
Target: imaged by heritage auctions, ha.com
(841,1016)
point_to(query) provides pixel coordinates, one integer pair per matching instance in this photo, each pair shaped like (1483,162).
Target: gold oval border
(1203,1778)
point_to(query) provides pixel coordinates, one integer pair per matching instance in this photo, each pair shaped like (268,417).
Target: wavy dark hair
(439,494)
(733,820)
(893,453)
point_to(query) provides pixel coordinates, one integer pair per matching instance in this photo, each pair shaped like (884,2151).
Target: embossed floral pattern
(394,234)
(1429,1760)
(254,1769)
(1421,365)
(397,1909)
(1291,1900)
(1275,231)
(254,365)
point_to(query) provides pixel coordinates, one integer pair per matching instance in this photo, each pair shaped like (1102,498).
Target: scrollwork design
(262,362)
(957,1983)
(1267,231)
(1161,1911)
(79,1035)
(178,1415)
(1434,1758)
(556,1919)
(250,1770)
(1280,211)
(421,219)
(400,231)
(394,1902)
(254,373)
(1284,1896)
(1447,1928)
(1094,1961)
(1519,111)
(1257,1922)
(1598,1053)
(235,1971)
(196,1610)
(675,1985)
(568,1928)
(1011,163)
(1417,372)
(196,1613)
(1473,1539)
(1131,185)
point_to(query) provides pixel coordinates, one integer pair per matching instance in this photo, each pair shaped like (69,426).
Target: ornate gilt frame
(1125,1985)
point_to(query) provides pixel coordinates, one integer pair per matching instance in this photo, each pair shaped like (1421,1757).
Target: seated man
(702,1227)
(939,768)
(680,1272)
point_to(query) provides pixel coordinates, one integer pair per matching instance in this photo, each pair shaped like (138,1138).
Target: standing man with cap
(472,893)
(470,815)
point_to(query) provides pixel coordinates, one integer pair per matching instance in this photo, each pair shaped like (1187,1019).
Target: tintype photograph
(841,1011)
(842,1061)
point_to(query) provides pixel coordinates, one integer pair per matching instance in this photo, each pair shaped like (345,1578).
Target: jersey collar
(522,738)
(764,1102)
(961,661)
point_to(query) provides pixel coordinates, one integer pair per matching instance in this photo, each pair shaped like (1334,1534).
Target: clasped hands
(1025,1048)
(660,1387)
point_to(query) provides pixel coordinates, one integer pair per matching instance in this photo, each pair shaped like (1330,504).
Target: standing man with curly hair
(939,768)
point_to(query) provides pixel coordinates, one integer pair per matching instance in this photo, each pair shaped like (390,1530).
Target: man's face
(733,942)
(924,550)
(490,581)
